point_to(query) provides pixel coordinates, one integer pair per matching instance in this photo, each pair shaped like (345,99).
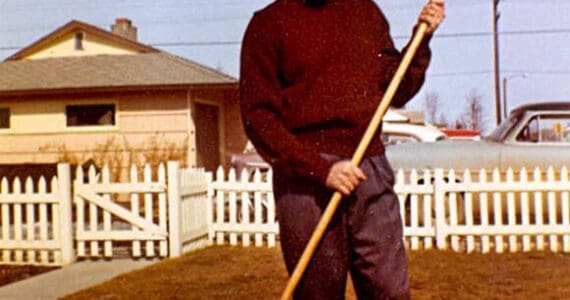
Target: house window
(4,118)
(79,37)
(90,115)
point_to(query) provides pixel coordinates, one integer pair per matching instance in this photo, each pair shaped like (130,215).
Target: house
(83,93)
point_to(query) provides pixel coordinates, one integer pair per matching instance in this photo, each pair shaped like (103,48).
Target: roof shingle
(105,71)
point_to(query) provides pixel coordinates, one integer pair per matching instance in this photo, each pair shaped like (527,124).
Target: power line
(206,43)
(540,72)
(41,5)
(440,35)
(462,73)
(486,72)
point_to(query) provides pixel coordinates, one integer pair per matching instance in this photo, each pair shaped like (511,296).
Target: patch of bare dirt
(10,274)
(258,273)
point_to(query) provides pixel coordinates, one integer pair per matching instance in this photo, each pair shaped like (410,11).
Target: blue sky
(534,40)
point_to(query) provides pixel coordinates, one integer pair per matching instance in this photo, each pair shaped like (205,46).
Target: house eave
(107,89)
(77,25)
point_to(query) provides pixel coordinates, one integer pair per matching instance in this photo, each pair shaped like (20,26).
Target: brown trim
(75,25)
(67,91)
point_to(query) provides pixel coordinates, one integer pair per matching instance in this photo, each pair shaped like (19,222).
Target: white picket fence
(35,223)
(489,211)
(190,209)
(440,209)
(176,210)
(244,209)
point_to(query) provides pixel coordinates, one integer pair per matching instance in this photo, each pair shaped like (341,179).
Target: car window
(546,129)
(504,129)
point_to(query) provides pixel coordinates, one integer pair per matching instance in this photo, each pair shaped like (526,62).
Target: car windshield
(504,128)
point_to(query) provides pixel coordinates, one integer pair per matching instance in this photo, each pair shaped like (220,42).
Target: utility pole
(496,16)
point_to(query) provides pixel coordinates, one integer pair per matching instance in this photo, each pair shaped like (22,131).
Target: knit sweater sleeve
(415,75)
(261,100)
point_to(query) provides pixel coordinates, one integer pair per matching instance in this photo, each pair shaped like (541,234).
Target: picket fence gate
(173,210)
(157,216)
(109,213)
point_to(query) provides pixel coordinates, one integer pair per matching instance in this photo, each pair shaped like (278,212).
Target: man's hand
(344,177)
(433,14)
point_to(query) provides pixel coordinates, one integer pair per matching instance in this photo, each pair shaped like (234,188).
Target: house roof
(74,26)
(149,68)
(104,72)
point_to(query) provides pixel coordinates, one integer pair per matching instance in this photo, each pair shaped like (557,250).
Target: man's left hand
(433,14)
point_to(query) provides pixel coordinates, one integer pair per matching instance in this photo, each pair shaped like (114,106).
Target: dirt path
(258,273)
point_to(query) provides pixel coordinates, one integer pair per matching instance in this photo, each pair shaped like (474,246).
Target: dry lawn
(10,274)
(258,273)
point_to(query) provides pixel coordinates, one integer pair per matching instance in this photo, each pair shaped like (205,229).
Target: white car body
(396,133)
(398,128)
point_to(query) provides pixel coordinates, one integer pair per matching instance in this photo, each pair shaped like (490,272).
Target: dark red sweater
(311,79)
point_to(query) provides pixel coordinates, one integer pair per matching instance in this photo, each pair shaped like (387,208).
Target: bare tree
(443,120)
(473,116)
(431,106)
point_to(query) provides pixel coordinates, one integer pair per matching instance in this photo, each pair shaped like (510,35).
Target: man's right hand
(433,14)
(344,177)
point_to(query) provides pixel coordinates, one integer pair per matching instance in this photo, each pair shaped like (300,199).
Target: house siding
(39,133)
(146,121)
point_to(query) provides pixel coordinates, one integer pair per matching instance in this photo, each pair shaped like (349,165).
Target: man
(312,74)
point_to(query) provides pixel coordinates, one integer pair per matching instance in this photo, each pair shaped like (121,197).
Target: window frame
(94,127)
(79,41)
(9,109)
(538,117)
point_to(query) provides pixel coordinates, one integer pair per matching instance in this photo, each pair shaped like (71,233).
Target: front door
(207,118)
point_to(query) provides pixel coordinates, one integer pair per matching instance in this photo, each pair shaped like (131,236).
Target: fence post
(210,207)
(174,207)
(439,198)
(65,217)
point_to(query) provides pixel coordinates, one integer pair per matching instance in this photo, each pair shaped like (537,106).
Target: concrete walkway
(70,279)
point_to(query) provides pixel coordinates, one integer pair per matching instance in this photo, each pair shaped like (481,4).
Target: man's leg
(299,207)
(379,262)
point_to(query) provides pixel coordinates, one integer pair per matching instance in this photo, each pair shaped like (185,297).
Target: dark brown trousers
(363,238)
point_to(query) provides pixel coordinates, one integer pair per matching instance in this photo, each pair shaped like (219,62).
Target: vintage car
(248,160)
(534,135)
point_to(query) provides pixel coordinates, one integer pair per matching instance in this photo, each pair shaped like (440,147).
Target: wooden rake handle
(356,159)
